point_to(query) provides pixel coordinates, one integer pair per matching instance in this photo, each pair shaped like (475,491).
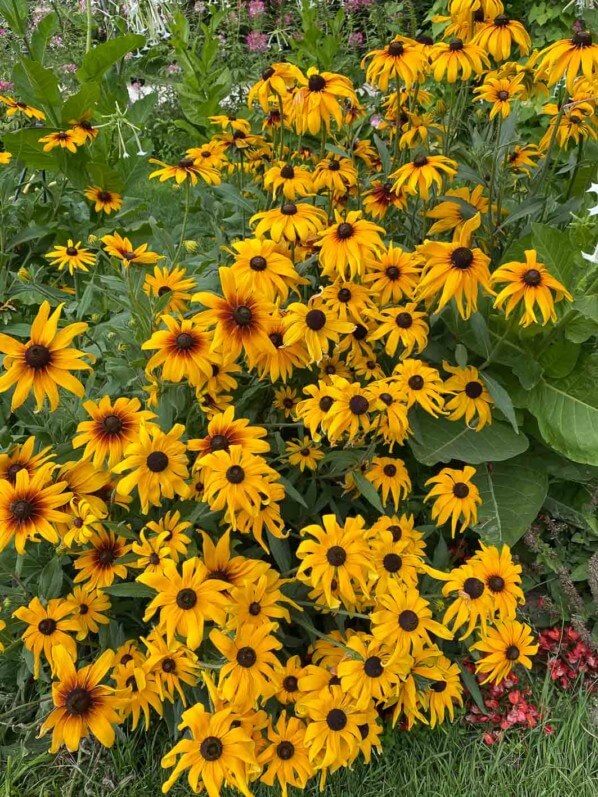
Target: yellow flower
(457,57)
(187,168)
(529,284)
(450,215)
(88,607)
(261,268)
(47,628)
(392,274)
(291,181)
(402,325)
(335,175)
(185,600)
(500,92)
(173,283)
(510,643)
(303,453)
(455,496)
(100,563)
(72,256)
(421,174)
(380,197)
(285,757)
(473,603)
(21,107)
(275,82)
(390,477)
(500,34)
(183,352)
(470,396)
(65,139)
(570,57)
(82,704)
(122,249)
(43,363)
(105,201)
(316,103)
(502,578)
(295,222)
(348,244)
(420,384)
(157,462)
(316,326)
(401,60)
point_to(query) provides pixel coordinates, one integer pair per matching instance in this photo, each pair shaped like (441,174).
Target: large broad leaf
(35,83)
(81,102)
(567,411)
(440,440)
(97,61)
(25,146)
(15,13)
(512,495)
(555,251)
(46,28)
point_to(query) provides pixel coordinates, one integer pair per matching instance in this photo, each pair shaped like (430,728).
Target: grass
(451,761)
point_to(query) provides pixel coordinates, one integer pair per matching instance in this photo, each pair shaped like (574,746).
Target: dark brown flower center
(456,45)
(358,405)
(154,559)
(393,273)
(315,320)
(373,667)
(22,509)
(112,424)
(106,556)
(47,626)
(211,748)
(72,251)
(11,473)
(386,398)
(503,95)
(288,209)
(501,21)
(163,289)
(336,556)
(474,390)
(404,320)
(325,403)
(345,230)
(392,562)
(254,609)
(360,332)
(258,263)
(246,657)
(462,258)
(438,686)
(242,315)
(288,172)
(186,163)
(334,166)
(416,382)
(38,356)
(235,474)
(316,83)
(169,665)
(78,701)
(478,15)
(395,49)
(408,620)
(83,609)
(532,277)
(157,461)
(186,598)
(473,587)
(426,40)
(105,196)
(420,161)
(512,652)
(285,750)
(336,719)
(397,532)
(344,295)
(390,470)
(582,38)
(267,73)
(184,341)
(496,583)
(277,339)
(219,443)
(460,490)
(290,683)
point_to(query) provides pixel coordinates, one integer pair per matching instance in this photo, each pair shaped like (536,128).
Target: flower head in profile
(499,35)
(528,285)
(122,249)
(570,57)
(188,168)
(16,107)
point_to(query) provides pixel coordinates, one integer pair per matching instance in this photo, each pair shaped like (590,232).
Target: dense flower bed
(237,450)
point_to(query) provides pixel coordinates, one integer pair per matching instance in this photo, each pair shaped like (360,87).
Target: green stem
(89,24)
(576,167)
(184,227)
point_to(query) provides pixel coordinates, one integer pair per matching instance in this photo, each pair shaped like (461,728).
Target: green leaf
(281,552)
(501,399)
(555,251)
(130,589)
(587,306)
(580,329)
(15,13)
(368,491)
(512,494)
(461,355)
(50,579)
(442,440)
(567,412)
(97,61)
(84,100)
(560,358)
(46,28)
(383,152)
(292,492)
(24,145)
(472,686)
(34,82)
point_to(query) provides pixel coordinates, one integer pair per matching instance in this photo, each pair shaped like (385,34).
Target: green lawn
(449,762)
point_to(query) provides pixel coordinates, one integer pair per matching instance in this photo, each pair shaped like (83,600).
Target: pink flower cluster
(507,706)
(568,658)
(256,41)
(351,6)
(256,8)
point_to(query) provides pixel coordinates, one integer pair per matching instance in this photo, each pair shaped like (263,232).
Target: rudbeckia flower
(380,197)
(335,175)
(351,411)
(122,249)
(100,562)
(510,643)
(402,325)
(472,605)
(455,497)
(47,628)
(470,396)
(348,244)
(186,169)
(43,363)
(502,578)
(73,256)
(291,181)
(88,607)
(22,456)
(261,267)
(316,102)
(422,173)
(569,58)
(303,453)
(285,757)
(274,83)
(420,384)
(499,35)
(451,215)
(105,201)
(392,275)
(15,106)
(457,57)
(183,352)
(316,325)
(65,139)
(529,284)
(390,478)
(401,60)
(295,222)
(83,706)
(172,665)
(173,283)
(500,92)
(442,694)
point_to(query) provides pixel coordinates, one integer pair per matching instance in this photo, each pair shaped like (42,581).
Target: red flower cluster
(507,706)
(568,658)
